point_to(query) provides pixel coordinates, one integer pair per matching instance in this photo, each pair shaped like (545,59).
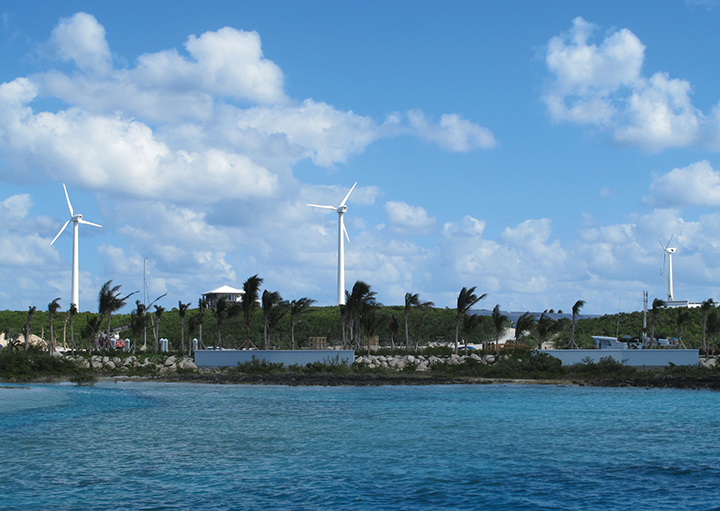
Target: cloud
(603,85)
(697,184)
(453,132)
(406,218)
(81,38)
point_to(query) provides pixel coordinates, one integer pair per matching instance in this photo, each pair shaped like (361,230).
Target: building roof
(225,290)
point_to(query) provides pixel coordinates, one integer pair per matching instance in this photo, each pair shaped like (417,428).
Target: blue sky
(536,150)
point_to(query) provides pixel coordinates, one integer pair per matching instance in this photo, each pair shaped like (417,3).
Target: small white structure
(231,294)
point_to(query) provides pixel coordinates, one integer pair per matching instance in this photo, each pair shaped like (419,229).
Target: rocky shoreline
(368,370)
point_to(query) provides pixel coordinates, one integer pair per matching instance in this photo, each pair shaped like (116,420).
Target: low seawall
(635,358)
(230,358)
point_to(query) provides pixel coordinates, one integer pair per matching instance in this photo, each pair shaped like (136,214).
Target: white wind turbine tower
(76,220)
(341,209)
(668,255)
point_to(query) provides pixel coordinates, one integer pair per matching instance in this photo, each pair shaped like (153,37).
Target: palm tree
(705,308)
(298,308)
(545,326)
(138,322)
(523,325)
(182,311)
(357,303)
(499,322)
(31,313)
(411,300)
(198,320)
(91,330)
(72,311)
(422,307)
(466,299)
(683,318)
(394,328)
(159,310)
(575,314)
(371,323)
(655,317)
(713,326)
(470,324)
(52,309)
(221,312)
(249,304)
(110,301)
(273,309)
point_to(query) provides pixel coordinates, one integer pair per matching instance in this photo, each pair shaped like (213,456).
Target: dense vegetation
(428,325)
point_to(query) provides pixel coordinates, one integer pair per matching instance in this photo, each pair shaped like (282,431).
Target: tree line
(265,320)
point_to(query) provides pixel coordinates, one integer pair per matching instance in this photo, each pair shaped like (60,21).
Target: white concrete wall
(230,358)
(636,358)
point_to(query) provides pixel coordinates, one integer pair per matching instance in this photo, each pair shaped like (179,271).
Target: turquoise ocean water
(155,446)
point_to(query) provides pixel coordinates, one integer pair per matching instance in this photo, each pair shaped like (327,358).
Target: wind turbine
(76,220)
(668,254)
(341,209)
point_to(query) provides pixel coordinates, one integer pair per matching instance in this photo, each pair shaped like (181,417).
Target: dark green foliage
(84,379)
(605,367)
(33,364)
(518,366)
(330,366)
(256,366)
(438,351)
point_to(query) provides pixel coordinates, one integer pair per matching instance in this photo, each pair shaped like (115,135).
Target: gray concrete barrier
(230,358)
(635,358)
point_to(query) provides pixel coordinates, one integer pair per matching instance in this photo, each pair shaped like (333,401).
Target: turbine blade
(348,195)
(346,234)
(81,221)
(61,231)
(322,207)
(671,238)
(67,197)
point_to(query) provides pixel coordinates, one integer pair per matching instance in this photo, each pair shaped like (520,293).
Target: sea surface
(156,446)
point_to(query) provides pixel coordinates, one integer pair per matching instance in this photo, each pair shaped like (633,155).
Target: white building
(231,294)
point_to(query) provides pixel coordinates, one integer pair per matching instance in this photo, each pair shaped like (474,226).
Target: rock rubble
(419,362)
(161,365)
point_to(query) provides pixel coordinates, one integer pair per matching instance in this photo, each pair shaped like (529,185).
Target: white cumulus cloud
(603,85)
(453,132)
(406,218)
(697,184)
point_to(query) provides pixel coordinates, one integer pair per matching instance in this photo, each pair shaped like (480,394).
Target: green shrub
(32,364)
(438,351)
(256,366)
(84,379)
(606,366)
